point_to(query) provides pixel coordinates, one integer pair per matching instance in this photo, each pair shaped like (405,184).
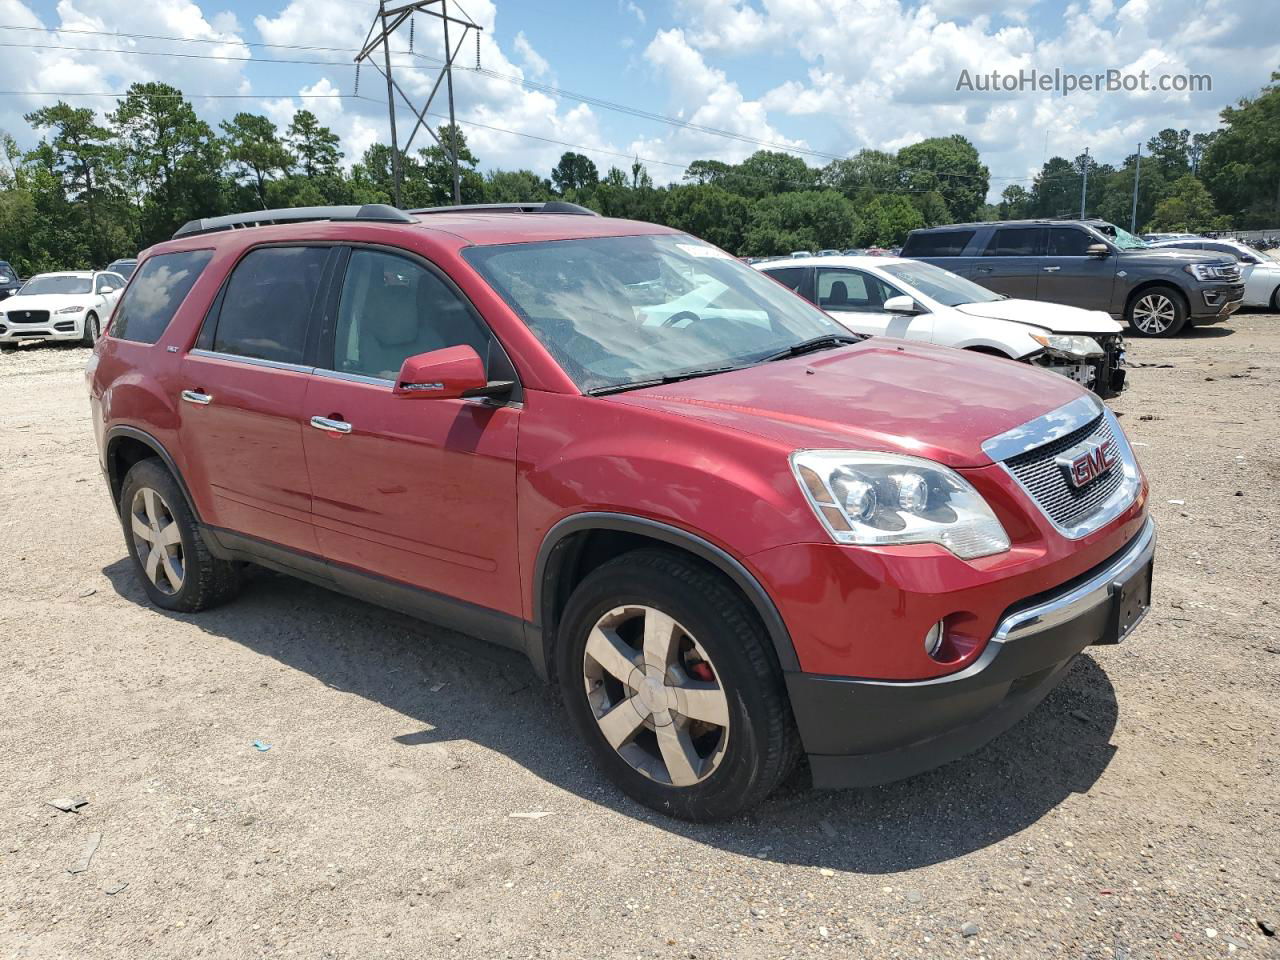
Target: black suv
(10,282)
(1090,264)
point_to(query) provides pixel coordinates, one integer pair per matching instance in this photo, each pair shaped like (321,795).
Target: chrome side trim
(1083,598)
(1043,429)
(353,377)
(252,361)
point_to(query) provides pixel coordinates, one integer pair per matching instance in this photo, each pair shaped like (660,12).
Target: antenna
(385,23)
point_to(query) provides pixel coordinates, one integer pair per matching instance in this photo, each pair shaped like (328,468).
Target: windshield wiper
(824,342)
(658,381)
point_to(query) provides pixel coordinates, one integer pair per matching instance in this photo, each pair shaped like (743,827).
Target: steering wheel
(675,318)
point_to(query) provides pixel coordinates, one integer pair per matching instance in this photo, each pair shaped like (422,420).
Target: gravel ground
(1133,815)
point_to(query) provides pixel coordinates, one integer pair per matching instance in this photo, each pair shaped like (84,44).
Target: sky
(822,78)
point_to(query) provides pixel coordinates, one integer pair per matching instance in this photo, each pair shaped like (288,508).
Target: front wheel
(91,329)
(668,676)
(1157,312)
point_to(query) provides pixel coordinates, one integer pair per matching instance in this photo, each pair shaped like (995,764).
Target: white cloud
(533,61)
(633,8)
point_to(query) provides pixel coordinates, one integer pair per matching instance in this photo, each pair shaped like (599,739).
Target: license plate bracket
(1130,601)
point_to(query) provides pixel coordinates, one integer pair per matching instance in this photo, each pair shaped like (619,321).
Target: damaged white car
(894,297)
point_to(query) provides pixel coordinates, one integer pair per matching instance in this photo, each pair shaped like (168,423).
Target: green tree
(1188,208)
(1015,203)
(1242,165)
(886,221)
(515,186)
(709,212)
(951,167)
(872,171)
(574,172)
(768,172)
(316,149)
(438,164)
(255,152)
(800,220)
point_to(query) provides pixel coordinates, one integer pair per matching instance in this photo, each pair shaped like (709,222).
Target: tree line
(99,187)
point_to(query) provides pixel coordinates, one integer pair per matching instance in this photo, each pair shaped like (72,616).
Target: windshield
(941,285)
(123,267)
(1127,241)
(67,285)
(615,311)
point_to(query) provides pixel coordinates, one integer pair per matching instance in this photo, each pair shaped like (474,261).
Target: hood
(886,395)
(47,301)
(1177,256)
(1056,317)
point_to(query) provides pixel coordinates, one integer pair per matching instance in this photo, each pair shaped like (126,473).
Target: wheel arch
(126,446)
(1146,285)
(578,543)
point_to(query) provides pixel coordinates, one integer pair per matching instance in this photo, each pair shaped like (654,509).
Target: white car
(1260,273)
(895,297)
(75,305)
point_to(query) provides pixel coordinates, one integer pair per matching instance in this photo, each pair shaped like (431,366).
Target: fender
(550,561)
(122,430)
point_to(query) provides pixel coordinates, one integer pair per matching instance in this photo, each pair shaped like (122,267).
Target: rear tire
(722,736)
(1275,300)
(89,336)
(172,560)
(1157,312)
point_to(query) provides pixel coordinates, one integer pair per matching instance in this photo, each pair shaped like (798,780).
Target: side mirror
(447,374)
(903,304)
(1098,250)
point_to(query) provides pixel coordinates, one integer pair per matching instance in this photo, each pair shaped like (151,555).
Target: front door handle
(331,425)
(1052,269)
(195,396)
(984,269)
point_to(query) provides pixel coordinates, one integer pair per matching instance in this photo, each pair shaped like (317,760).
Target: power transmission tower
(387,21)
(1084,184)
(1137,173)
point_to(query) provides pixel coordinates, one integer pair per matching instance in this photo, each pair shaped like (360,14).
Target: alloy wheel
(656,695)
(157,539)
(1154,313)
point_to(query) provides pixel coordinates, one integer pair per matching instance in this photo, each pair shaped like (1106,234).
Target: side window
(392,308)
(160,286)
(1016,242)
(852,290)
(101,284)
(938,243)
(267,303)
(790,277)
(1066,242)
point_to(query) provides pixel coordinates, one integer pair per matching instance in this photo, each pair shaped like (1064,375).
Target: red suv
(732,532)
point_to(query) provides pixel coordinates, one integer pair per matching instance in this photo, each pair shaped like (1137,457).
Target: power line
(185,56)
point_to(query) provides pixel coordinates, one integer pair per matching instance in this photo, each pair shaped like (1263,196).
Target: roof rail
(550,206)
(263,218)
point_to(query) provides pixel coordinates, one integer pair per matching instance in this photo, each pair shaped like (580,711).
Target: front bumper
(865,732)
(57,327)
(1216,303)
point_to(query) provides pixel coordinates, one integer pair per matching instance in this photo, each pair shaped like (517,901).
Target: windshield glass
(941,285)
(626,310)
(68,285)
(1127,241)
(123,267)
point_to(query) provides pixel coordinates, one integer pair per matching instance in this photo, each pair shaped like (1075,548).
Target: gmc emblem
(1087,461)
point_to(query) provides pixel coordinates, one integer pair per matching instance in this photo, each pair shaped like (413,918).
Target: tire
(1275,300)
(90,334)
(1156,312)
(718,652)
(8,347)
(185,576)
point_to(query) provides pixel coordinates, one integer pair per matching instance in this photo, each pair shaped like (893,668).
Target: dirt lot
(1133,815)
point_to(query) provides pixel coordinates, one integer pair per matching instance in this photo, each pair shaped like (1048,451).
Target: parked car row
(73,305)
(731,530)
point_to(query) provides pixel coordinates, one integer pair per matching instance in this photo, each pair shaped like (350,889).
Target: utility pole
(388,19)
(1084,184)
(1137,172)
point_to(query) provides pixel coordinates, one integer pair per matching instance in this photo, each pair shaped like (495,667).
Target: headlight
(1211,271)
(878,499)
(1070,345)
(70,310)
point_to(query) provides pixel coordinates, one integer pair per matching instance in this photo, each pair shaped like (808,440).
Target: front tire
(668,676)
(1275,300)
(89,336)
(173,561)
(1157,312)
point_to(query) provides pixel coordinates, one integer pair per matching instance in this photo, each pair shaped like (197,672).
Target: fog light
(933,639)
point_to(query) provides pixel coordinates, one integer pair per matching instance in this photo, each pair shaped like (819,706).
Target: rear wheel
(1157,312)
(1275,300)
(667,674)
(90,334)
(172,559)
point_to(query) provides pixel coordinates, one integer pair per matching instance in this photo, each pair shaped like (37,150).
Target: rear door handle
(1052,269)
(195,396)
(330,425)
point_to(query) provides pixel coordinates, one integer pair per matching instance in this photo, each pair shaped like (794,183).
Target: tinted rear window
(940,243)
(789,277)
(267,303)
(161,285)
(1067,242)
(1016,242)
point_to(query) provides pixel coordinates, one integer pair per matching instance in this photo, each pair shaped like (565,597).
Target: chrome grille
(1047,483)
